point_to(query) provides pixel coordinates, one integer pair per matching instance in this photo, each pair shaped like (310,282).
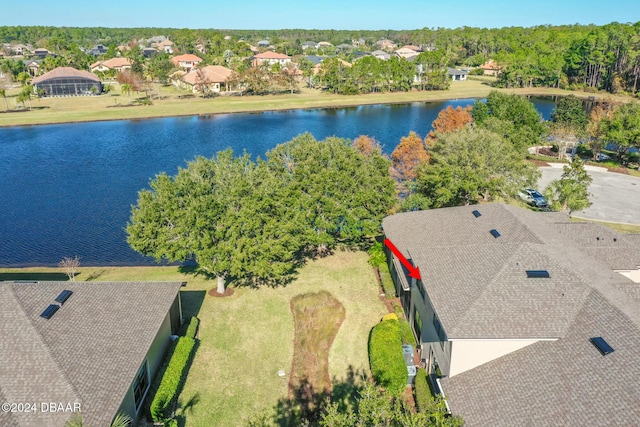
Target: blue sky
(318,14)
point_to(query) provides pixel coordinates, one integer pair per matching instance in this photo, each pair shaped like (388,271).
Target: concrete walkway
(615,197)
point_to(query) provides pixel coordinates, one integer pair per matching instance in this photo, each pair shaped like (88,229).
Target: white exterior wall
(468,354)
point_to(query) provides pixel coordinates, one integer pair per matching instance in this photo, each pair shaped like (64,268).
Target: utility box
(407,353)
(411,371)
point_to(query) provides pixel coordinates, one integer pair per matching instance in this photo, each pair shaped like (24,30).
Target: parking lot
(615,197)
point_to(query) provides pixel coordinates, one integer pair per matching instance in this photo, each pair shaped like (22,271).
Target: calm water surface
(67,190)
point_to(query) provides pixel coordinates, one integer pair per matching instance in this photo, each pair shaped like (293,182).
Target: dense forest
(585,57)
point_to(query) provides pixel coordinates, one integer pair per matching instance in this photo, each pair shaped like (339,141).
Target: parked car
(602,157)
(534,198)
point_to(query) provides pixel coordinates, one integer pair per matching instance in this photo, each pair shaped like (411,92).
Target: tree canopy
(472,164)
(254,221)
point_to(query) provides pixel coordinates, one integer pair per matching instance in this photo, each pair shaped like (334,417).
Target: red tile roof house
(215,77)
(530,319)
(187,61)
(117,64)
(97,354)
(270,58)
(490,68)
(67,81)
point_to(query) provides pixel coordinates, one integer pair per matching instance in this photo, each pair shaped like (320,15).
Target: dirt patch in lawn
(317,318)
(227,293)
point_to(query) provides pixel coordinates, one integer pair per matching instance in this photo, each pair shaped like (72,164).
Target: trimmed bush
(406,333)
(385,356)
(172,379)
(390,316)
(171,423)
(424,399)
(192,329)
(387,282)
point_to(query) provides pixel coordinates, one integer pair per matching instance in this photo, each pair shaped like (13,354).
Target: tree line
(585,57)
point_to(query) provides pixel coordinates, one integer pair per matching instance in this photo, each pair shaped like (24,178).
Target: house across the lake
(82,347)
(522,317)
(67,81)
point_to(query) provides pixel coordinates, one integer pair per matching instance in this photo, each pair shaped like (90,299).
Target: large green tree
(622,128)
(228,213)
(473,164)
(343,193)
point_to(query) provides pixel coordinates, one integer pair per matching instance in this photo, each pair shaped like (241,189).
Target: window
(417,324)
(140,385)
(438,326)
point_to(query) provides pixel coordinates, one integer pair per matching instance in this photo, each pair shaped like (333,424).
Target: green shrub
(172,379)
(387,282)
(171,423)
(385,356)
(192,329)
(424,398)
(406,333)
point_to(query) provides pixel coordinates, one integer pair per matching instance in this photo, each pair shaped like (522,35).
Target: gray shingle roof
(561,383)
(477,286)
(89,351)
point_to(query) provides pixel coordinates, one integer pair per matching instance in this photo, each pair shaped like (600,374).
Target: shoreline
(71,110)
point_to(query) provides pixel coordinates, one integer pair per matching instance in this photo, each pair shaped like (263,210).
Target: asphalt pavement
(615,197)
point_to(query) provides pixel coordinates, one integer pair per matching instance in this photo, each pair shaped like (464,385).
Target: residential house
(457,75)
(386,44)
(20,49)
(212,78)
(156,39)
(149,52)
(309,45)
(344,47)
(165,46)
(324,44)
(82,348)
(358,42)
(97,50)
(42,53)
(525,317)
(117,64)
(67,81)
(33,67)
(270,58)
(405,52)
(264,44)
(188,61)
(412,47)
(381,54)
(490,68)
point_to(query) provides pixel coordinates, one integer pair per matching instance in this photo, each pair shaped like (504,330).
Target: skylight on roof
(476,213)
(64,295)
(50,311)
(601,345)
(495,233)
(538,274)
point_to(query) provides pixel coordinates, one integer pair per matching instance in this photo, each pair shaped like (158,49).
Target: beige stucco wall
(634,275)
(467,354)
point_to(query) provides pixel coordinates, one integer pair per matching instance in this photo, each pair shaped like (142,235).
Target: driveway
(615,197)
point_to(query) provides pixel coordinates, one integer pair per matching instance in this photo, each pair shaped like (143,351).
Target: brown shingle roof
(114,63)
(88,352)
(65,72)
(210,73)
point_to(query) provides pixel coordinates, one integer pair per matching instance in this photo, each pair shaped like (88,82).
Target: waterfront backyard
(245,339)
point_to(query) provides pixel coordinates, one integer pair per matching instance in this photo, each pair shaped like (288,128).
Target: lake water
(67,190)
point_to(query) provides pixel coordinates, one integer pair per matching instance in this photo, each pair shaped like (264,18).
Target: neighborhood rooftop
(542,290)
(87,352)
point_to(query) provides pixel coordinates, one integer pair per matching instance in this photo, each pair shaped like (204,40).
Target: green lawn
(114,105)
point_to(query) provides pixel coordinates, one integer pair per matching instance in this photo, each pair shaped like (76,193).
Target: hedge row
(385,356)
(192,329)
(387,282)
(424,398)
(172,377)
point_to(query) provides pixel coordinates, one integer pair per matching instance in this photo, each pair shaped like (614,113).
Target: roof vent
(538,274)
(64,295)
(476,213)
(50,311)
(601,345)
(495,233)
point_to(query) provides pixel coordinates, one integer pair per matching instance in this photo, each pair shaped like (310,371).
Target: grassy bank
(114,106)
(247,337)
